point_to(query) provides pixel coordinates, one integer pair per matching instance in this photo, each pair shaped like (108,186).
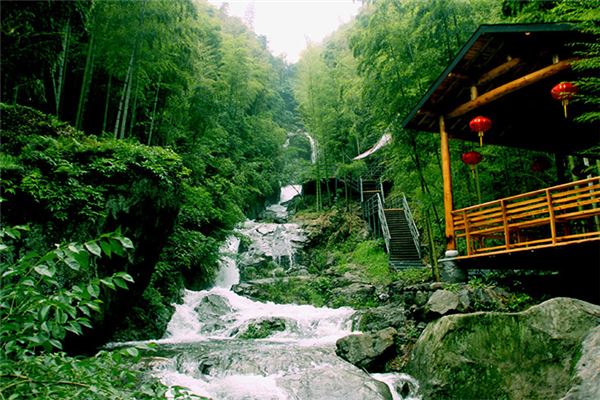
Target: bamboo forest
(406,208)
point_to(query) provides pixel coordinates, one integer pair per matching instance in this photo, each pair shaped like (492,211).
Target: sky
(290,24)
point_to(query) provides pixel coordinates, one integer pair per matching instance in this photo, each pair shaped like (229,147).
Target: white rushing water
(206,353)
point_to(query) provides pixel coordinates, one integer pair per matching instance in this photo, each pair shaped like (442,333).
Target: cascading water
(206,348)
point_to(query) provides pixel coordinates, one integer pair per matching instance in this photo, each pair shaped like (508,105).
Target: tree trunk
(85,85)
(62,69)
(126,103)
(121,102)
(154,111)
(134,107)
(130,71)
(106,103)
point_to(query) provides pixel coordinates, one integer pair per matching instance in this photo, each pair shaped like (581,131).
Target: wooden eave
(497,56)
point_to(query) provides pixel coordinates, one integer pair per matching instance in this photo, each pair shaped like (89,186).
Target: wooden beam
(447,177)
(510,87)
(498,71)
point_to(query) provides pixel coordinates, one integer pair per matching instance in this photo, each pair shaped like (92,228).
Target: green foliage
(37,311)
(36,314)
(369,260)
(316,292)
(68,186)
(115,374)
(413,276)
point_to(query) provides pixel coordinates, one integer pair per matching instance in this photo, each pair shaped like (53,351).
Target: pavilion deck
(549,222)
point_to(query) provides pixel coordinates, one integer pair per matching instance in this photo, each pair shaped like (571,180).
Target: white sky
(290,24)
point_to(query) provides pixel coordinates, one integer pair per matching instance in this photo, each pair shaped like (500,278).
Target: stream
(204,349)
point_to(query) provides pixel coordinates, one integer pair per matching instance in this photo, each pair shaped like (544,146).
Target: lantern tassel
(480,139)
(565,104)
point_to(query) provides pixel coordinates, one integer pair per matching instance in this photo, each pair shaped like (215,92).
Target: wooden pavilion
(506,72)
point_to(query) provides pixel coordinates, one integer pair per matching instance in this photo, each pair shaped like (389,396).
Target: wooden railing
(554,216)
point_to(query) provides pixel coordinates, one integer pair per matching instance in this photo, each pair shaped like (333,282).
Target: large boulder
(442,302)
(369,351)
(586,382)
(485,355)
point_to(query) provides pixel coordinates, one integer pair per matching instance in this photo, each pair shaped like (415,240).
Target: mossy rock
(486,355)
(263,329)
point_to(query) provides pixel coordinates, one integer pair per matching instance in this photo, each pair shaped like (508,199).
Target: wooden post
(551,216)
(447,176)
(467,233)
(505,224)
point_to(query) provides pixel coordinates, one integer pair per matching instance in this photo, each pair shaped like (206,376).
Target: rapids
(204,349)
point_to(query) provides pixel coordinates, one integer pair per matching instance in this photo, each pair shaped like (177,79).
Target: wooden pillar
(447,176)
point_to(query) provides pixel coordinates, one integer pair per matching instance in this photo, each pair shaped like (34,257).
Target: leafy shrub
(413,276)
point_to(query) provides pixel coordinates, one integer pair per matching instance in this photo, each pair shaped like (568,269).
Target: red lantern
(564,92)
(480,125)
(472,158)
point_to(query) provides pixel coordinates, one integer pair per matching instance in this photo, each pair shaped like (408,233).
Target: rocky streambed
(461,341)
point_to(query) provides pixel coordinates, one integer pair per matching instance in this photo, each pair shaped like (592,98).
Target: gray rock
(368,350)
(586,382)
(336,384)
(442,302)
(378,318)
(485,355)
(451,272)
(212,306)
(421,298)
(355,293)
(262,328)
(486,298)
(464,300)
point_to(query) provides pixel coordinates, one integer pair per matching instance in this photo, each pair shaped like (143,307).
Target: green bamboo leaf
(108,283)
(93,248)
(72,263)
(106,248)
(44,270)
(126,242)
(93,290)
(116,247)
(74,328)
(125,276)
(120,282)
(83,259)
(84,321)
(73,248)
(43,314)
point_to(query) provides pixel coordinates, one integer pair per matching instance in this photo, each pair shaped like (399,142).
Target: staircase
(369,187)
(403,249)
(391,219)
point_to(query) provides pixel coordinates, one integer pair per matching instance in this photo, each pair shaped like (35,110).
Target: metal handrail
(411,224)
(383,222)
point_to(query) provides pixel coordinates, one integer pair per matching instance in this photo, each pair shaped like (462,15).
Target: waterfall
(311,140)
(313,147)
(207,349)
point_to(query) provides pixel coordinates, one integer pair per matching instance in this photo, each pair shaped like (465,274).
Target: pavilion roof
(500,59)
